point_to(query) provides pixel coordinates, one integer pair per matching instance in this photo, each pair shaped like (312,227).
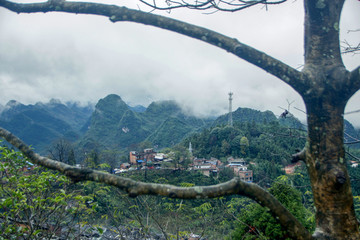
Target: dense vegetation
(268,147)
(94,209)
(41,124)
(36,203)
(114,124)
(39,204)
(169,218)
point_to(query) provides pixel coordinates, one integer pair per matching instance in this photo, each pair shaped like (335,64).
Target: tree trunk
(325,97)
(335,215)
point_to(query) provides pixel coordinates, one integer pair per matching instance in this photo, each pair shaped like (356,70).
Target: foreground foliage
(256,222)
(38,204)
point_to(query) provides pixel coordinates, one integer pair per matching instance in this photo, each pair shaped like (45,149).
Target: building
(147,156)
(236,161)
(133,157)
(159,157)
(240,169)
(125,165)
(244,174)
(205,166)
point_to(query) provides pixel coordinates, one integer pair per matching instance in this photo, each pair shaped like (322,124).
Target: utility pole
(230,109)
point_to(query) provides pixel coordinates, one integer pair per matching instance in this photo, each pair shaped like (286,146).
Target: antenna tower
(230,109)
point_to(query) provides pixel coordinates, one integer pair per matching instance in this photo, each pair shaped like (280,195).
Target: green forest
(40,204)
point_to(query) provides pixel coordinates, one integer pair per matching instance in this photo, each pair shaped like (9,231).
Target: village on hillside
(149,159)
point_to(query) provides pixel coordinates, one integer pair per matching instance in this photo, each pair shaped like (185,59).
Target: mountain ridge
(112,123)
(42,123)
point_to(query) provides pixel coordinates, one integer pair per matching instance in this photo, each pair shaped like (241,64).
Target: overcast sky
(84,58)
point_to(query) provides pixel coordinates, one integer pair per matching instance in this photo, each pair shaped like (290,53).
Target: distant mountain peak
(12,103)
(112,97)
(165,105)
(138,108)
(112,101)
(55,101)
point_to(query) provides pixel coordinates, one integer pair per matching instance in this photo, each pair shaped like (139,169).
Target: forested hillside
(41,124)
(266,143)
(250,140)
(114,124)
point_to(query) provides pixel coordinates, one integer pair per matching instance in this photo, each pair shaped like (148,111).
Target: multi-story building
(147,156)
(205,166)
(240,169)
(133,157)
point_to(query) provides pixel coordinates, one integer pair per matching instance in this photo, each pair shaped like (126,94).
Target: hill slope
(41,124)
(114,124)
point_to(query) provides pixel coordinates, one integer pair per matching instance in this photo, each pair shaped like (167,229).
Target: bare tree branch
(348,48)
(220,5)
(355,140)
(353,156)
(135,188)
(351,112)
(289,75)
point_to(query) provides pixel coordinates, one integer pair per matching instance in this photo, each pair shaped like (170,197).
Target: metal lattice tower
(230,109)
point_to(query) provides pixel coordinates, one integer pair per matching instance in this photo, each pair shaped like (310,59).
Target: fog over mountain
(84,58)
(113,124)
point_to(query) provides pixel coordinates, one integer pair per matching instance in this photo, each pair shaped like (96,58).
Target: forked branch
(135,188)
(348,48)
(299,156)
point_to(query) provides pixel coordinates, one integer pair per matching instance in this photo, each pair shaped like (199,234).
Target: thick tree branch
(322,33)
(115,13)
(135,188)
(299,156)
(354,79)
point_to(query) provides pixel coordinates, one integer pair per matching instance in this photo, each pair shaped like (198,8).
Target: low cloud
(84,58)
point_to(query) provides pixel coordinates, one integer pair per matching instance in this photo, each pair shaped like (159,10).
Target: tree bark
(325,160)
(329,88)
